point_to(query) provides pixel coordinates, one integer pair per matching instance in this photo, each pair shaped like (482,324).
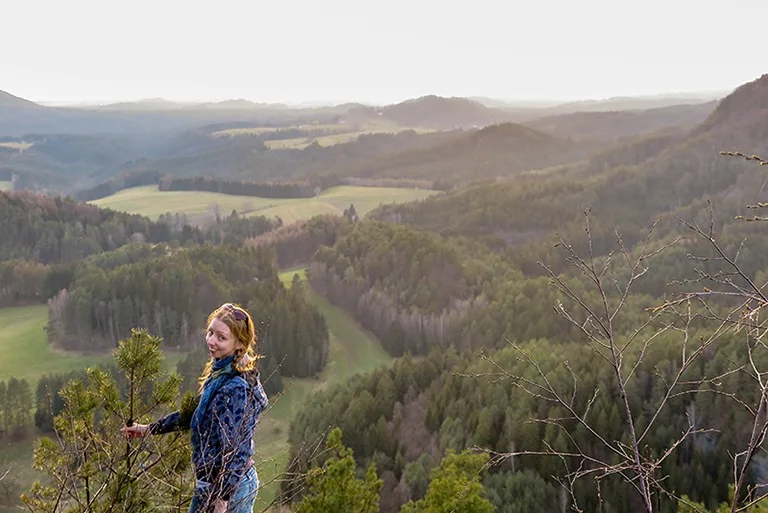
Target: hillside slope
(613,125)
(494,151)
(686,171)
(7,100)
(436,112)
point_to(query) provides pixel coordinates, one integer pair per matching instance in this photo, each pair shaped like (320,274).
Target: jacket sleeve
(237,415)
(169,423)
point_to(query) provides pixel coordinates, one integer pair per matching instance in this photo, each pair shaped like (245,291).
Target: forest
(469,279)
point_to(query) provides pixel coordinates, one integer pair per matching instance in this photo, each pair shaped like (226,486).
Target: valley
(545,285)
(352,350)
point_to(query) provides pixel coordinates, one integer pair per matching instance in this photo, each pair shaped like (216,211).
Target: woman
(230,401)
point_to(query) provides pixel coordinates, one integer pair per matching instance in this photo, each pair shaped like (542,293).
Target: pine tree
(455,486)
(89,465)
(334,487)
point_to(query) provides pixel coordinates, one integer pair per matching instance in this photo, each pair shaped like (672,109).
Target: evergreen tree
(455,486)
(89,464)
(334,487)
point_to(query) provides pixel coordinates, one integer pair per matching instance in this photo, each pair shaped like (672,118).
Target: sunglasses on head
(238,313)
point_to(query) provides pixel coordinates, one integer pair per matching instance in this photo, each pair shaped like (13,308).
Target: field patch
(5,186)
(148,200)
(25,349)
(324,135)
(300,143)
(21,146)
(259,130)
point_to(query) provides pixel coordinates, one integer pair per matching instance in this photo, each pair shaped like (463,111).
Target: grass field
(319,129)
(324,135)
(300,143)
(149,201)
(352,350)
(16,145)
(25,349)
(4,186)
(27,355)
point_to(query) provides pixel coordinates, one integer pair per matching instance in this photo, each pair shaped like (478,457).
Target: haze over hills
(159,114)
(7,100)
(437,112)
(630,184)
(543,108)
(613,125)
(179,139)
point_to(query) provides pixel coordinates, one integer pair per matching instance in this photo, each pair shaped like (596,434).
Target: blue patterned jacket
(222,445)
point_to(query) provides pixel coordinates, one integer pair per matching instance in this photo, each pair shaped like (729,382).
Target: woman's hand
(220,506)
(135,431)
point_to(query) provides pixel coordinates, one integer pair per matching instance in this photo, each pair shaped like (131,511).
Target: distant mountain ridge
(662,172)
(499,150)
(7,100)
(437,112)
(613,125)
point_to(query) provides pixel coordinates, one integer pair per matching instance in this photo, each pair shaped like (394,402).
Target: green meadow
(319,129)
(25,349)
(324,135)
(21,146)
(4,186)
(300,143)
(151,202)
(27,355)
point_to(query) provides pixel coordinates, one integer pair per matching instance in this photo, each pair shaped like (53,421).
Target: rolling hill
(682,171)
(610,126)
(494,151)
(436,112)
(470,141)
(7,100)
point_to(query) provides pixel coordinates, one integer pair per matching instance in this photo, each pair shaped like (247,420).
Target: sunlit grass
(148,200)
(16,145)
(233,132)
(352,350)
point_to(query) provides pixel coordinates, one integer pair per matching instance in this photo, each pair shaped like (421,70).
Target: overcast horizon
(342,51)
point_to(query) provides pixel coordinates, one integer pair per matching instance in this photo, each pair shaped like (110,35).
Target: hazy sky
(383,51)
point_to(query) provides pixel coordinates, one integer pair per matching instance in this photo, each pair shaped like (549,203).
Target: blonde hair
(244,332)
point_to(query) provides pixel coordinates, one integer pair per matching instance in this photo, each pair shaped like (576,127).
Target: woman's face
(219,339)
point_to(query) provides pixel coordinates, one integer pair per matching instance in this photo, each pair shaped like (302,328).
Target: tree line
(297,188)
(45,238)
(171,292)
(16,403)
(294,244)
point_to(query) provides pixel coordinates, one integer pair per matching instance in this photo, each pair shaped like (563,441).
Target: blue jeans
(242,500)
